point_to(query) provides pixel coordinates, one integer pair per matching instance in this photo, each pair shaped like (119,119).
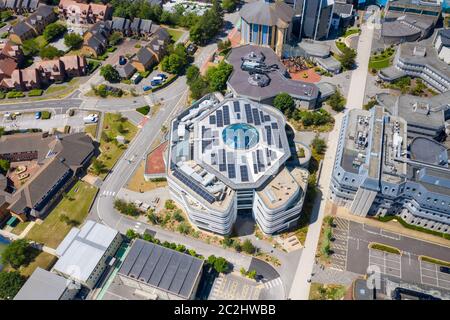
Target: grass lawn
(40,259)
(40,40)
(435,261)
(175,34)
(20,227)
(383,247)
(112,151)
(54,88)
(52,230)
(137,182)
(340,45)
(91,129)
(379,64)
(320,291)
(351,31)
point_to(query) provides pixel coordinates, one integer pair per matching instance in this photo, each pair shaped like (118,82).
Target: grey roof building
(425,116)
(126,70)
(45,285)
(259,75)
(121,25)
(168,274)
(321,54)
(378,172)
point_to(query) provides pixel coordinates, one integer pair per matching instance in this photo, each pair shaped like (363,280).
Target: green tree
(131,234)
(53,30)
(319,145)
(243,271)
(285,103)
(73,40)
(172,64)
(347,58)
(17,253)
(199,88)
(50,52)
(109,73)
(178,216)
(98,167)
(221,265)
(115,38)
(6,15)
(4,166)
(10,284)
(184,228)
(223,45)
(217,76)
(192,73)
(252,274)
(337,101)
(169,205)
(30,47)
(229,5)
(248,247)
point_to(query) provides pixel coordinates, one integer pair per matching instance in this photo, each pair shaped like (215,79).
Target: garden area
(415,87)
(69,212)
(114,125)
(381,60)
(324,251)
(320,291)
(384,248)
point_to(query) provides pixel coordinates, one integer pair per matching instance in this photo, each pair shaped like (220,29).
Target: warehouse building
(160,272)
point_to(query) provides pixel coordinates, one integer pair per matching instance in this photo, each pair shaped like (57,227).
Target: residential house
(51,71)
(26,79)
(153,52)
(60,158)
(96,39)
(83,13)
(141,27)
(121,25)
(144,59)
(126,70)
(10,56)
(75,66)
(33,25)
(19,6)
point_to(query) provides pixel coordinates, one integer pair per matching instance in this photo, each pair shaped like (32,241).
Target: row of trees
(208,25)
(176,60)
(214,80)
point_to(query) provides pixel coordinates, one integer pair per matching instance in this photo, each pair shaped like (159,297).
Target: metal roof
(43,285)
(82,249)
(163,268)
(267,13)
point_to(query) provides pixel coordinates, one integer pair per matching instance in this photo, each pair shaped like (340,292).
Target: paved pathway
(332,276)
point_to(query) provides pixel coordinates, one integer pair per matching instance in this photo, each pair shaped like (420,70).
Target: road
(301,287)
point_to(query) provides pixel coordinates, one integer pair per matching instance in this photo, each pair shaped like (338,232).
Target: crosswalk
(273,283)
(137,226)
(108,193)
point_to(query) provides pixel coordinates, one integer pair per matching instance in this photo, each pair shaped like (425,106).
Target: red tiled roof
(155,160)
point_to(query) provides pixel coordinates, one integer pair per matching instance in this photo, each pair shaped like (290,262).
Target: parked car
(136,78)
(92,118)
(155,83)
(191,49)
(146,88)
(162,75)
(122,60)
(37,115)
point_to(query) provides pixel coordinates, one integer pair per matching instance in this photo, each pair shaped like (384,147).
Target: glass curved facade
(240,136)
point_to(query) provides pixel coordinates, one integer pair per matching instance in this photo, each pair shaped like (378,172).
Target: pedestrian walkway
(332,276)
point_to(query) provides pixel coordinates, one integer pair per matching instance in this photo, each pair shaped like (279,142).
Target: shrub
(169,205)
(248,247)
(15,94)
(143,110)
(319,145)
(46,115)
(10,284)
(126,208)
(35,92)
(184,228)
(178,216)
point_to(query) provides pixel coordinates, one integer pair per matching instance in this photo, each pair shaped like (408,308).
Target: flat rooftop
(166,269)
(43,285)
(239,79)
(155,163)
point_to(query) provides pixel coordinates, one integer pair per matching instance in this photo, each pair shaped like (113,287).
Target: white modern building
(84,253)
(229,157)
(442,45)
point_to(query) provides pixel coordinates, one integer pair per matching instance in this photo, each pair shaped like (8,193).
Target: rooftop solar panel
(127,265)
(219,118)
(266,117)
(194,186)
(248,113)
(160,268)
(231,171)
(181,273)
(269,135)
(140,262)
(274,125)
(226,115)
(261,116)
(255,113)
(186,289)
(244,173)
(152,261)
(169,274)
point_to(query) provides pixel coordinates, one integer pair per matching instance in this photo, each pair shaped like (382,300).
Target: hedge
(385,248)
(414,227)
(45,115)
(35,93)
(143,110)
(15,94)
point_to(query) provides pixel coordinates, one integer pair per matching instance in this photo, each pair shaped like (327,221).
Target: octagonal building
(228,158)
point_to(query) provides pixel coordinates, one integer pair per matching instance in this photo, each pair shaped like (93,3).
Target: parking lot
(58,120)
(234,287)
(353,254)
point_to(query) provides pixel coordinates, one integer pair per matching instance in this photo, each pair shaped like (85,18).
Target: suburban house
(126,71)
(153,52)
(96,39)
(60,158)
(144,59)
(19,6)
(44,73)
(33,25)
(83,13)
(141,27)
(10,56)
(121,25)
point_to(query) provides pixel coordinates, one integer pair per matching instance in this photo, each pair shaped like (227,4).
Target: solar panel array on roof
(268,135)
(261,116)
(219,118)
(163,268)
(194,186)
(248,113)
(259,160)
(231,171)
(237,106)
(274,125)
(256,117)
(266,117)
(244,173)
(226,115)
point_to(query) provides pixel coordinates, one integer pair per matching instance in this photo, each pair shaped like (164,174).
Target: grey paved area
(133,116)
(118,291)
(333,276)
(407,267)
(234,287)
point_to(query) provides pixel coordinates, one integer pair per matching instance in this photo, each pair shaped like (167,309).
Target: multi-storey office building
(419,61)
(376,172)
(229,157)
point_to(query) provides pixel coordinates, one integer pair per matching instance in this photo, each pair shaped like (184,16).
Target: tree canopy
(10,284)
(17,253)
(347,58)
(50,52)
(53,30)
(4,166)
(337,101)
(109,73)
(217,76)
(285,103)
(73,40)
(176,61)
(207,26)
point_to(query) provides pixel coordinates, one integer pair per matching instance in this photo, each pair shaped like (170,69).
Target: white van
(92,118)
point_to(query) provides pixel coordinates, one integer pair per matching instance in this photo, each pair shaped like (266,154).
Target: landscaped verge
(413,227)
(435,261)
(385,248)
